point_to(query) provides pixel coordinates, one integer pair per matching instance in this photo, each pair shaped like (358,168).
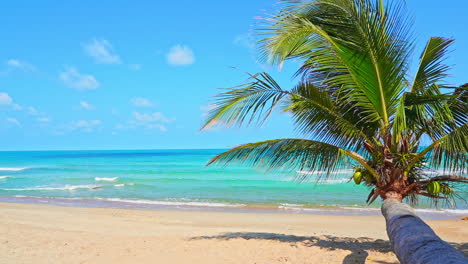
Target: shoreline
(138,204)
(37,233)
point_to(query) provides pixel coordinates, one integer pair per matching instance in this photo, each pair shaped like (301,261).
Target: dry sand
(53,234)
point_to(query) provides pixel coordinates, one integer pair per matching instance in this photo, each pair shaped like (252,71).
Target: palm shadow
(357,246)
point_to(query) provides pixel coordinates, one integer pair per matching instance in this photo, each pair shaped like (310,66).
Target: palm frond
(292,154)
(449,151)
(317,114)
(431,67)
(360,47)
(253,101)
(423,106)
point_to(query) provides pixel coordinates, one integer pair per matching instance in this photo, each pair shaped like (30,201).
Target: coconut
(445,189)
(357,176)
(433,187)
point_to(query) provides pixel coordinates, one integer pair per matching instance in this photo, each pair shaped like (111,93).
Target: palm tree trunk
(413,241)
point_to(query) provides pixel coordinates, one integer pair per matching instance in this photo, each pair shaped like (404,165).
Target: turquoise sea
(177,179)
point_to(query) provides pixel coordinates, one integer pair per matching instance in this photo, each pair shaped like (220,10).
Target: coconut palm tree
(358,104)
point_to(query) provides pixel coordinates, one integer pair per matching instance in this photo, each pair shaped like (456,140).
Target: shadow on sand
(357,246)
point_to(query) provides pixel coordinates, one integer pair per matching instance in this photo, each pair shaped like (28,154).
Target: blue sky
(139,74)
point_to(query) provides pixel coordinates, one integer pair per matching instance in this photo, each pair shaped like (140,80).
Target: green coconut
(445,189)
(357,176)
(434,187)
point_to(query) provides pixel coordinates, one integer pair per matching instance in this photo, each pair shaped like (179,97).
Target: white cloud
(141,102)
(5,99)
(13,121)
(74,79)
(180,55)
(102,51)
(32,111)
(160,127)
(43,119)
(146,120)
(85,105)
(151,118)
(84,125)
(22,65)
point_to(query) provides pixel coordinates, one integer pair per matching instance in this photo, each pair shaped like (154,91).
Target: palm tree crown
(356,100)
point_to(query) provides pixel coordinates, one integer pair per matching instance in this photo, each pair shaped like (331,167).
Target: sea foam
(106,179)
(172,203)
(12,169)
(63,188)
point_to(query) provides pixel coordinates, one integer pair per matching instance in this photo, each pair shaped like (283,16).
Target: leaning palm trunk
(413,241)
(355,105)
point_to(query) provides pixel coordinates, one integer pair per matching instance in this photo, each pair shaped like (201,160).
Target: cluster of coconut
(434,187)
(359,175)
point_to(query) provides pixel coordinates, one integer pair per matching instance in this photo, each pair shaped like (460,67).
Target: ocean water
(175,179)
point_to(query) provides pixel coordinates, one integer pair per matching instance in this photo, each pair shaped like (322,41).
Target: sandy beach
(53,234)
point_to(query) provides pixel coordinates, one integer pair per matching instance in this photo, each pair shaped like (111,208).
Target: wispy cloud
(86,106)
(76,80)
(180,55)
(14,121)
(20,65)
(156,120)
(5,99)
(245,40)
(101,51)
(43,119)
(32,111)
(146,118)
(141,102)
(80,125)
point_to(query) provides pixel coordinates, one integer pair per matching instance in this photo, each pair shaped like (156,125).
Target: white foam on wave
(322,182)
(333,181)
(299,208)
(444,211)
(458,211)
(119,185)
(343,171)
(12,169)
(290,205)
(106,179)
(361,208)
(418,210)
(172,203)
(64,188)
(4,177)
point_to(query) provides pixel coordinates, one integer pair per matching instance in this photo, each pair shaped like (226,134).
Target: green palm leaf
(291,154)
(432,68)
(252,101)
